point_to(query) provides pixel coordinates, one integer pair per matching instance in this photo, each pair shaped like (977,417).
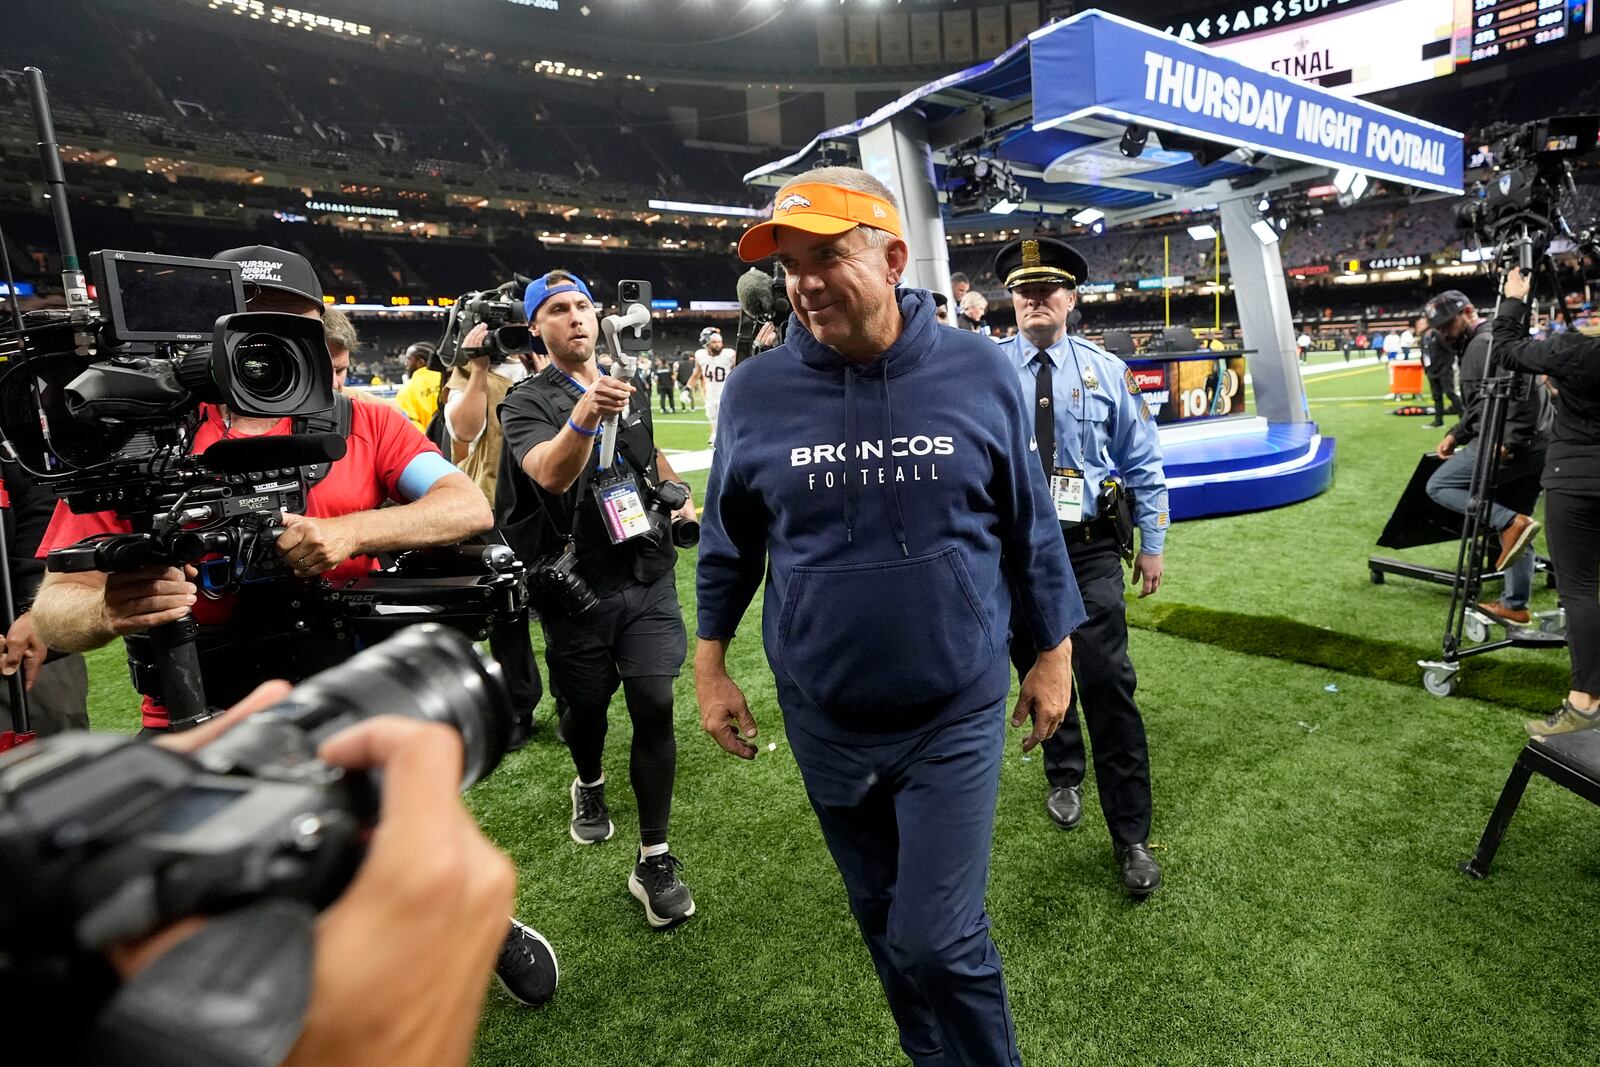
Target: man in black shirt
(597,527)
(686,369)
(666,389)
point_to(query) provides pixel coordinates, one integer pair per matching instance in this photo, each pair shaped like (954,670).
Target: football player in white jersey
(714,362)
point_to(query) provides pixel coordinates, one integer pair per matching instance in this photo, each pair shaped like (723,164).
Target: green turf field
(1309,816)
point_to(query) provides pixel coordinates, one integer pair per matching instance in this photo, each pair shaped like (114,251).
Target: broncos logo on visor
(790,202)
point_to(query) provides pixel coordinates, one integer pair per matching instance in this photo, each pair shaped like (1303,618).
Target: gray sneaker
(591,819)
(656,885)
(1564,720)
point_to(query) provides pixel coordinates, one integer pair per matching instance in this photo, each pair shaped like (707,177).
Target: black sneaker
(591,819)
(655,883)
(527,966)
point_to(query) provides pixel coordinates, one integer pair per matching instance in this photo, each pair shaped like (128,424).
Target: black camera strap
(336,420)
(554,376)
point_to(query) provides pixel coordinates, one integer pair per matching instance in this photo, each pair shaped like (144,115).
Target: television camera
(1517,209)
(101,402)
(500,309)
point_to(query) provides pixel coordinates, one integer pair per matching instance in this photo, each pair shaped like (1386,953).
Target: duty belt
(1099,528)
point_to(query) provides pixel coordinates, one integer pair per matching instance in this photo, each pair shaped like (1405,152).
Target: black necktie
(1044,422)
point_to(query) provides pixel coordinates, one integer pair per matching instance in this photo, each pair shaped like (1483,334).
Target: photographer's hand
(22,647)
(608,396)
(137,600)
(316,546)
(724,712)
(767,336)
(409,1001)
(1046,692)
(472,345)
(1516,285)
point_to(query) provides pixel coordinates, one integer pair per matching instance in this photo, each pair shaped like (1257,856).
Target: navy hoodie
(886,505)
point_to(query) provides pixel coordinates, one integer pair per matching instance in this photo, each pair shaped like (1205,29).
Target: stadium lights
(1264,232)
(1358,188)
(1005,207)
(1203,232)
(1343,178)
(1088,215)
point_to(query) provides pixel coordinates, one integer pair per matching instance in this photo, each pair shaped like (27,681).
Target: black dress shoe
(1141,874)
(521,732)
(1065,805)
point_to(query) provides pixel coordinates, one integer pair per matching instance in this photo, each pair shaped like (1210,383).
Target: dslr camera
(500,309)
(664,499)
(104,839)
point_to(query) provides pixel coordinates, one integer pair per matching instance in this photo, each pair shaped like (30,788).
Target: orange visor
(821,209)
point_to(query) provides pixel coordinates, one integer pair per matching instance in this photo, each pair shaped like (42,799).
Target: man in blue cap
(1089,421)
(601,557)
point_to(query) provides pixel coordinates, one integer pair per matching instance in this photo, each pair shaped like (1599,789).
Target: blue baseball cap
(539,291)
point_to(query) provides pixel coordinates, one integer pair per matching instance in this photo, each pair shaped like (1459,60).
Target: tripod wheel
(1475,629)
(1438,682)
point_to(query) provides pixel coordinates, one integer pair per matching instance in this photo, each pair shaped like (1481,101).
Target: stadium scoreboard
(1356,47)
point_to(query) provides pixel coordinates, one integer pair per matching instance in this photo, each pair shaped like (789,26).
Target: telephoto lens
(427,672)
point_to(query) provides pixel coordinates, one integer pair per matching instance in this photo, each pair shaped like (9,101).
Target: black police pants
(1441,393)
(1103,685)
(1572,529)
(511,644)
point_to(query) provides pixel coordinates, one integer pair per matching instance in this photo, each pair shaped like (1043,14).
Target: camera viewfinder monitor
(171,299)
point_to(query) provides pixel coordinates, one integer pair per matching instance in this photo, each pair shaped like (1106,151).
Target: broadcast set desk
(1219,459)
(1570,760)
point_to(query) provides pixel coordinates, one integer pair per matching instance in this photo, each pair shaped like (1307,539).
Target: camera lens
(266,367)
(424,672)
(630,291)
(685,533)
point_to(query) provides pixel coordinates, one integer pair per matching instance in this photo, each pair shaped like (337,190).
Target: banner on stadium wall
(1098,64)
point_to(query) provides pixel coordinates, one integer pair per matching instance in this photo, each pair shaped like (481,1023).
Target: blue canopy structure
(1054,106)
(1055,111)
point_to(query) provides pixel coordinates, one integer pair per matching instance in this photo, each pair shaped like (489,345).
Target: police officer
(1089,419)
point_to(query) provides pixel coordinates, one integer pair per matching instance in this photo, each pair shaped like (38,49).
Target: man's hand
(1447,447)
(316,546)
(767,336)
(1516,284)
(608,396)
(1147,569)
(428,871)
(724,712)
(687,511)
(22,647)
(474,345)
(1046,692)
(137,600)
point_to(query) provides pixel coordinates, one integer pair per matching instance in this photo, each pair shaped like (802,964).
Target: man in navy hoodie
(878,471)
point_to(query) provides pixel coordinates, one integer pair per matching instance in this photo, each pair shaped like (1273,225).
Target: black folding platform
(1571,760)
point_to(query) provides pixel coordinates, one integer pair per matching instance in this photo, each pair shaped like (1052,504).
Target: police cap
(1040,259)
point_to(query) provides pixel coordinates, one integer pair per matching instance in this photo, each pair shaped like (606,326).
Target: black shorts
(637,632)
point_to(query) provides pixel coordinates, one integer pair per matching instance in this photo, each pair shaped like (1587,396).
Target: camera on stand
(1517,210)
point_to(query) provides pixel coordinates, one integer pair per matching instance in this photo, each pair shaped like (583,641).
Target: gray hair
(339,330)
(973,298)
(848,178)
